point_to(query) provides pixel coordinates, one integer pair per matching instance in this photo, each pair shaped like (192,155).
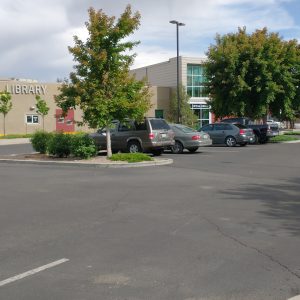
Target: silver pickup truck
(152,135)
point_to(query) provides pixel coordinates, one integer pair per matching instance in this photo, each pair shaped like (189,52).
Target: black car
(229,134)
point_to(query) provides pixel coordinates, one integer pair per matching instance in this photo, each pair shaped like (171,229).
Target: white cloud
(36,33)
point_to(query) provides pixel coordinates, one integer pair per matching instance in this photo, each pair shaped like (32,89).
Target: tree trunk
(4,124)
(108,142)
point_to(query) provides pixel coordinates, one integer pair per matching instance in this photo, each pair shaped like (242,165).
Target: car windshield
(185,129)
(158,124)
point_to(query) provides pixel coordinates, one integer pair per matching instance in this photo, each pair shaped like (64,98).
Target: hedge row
(63,145)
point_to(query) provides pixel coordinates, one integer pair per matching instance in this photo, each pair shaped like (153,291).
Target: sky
(35,34)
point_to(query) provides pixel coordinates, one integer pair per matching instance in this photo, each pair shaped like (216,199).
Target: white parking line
(34,271)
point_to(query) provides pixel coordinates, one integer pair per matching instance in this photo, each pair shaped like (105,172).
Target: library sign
(26,89)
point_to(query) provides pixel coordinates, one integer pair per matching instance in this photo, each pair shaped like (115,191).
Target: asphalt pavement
(222,223)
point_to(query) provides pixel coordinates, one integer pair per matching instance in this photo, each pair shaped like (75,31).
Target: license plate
(163,135)
(205,136)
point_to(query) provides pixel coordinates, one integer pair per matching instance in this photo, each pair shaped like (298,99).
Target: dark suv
(152,135)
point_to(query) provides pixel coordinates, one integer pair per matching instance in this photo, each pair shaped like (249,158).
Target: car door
(126,129)
(219,133)
(210,130)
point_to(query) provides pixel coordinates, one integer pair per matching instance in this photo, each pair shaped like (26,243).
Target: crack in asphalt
(270,257)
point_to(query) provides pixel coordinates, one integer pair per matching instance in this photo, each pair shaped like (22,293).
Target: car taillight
(242,131)
(195,137)
(151,136)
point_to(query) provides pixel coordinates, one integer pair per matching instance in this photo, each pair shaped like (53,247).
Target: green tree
(42,108)
(187,115)
(101,85)
(253,74)
(5,106)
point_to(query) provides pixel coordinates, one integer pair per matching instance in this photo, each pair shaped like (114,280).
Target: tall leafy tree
(101,85)
(5,106)
(42,107)
(253,74)
(187,115)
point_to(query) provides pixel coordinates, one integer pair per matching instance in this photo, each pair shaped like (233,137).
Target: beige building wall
(24,103)
(160,99)
(162,74)
(165,73)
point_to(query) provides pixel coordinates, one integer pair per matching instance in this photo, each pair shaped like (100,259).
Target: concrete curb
(156,162)
(295,298)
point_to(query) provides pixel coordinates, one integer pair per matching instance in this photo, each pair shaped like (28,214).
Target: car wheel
(157,152)
(230,141)
(193,149)
(177,148)
(134,147)
(256,139)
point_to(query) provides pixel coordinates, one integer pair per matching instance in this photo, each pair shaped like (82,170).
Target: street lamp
(177,39)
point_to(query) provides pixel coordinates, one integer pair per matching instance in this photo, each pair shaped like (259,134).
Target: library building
(23,118)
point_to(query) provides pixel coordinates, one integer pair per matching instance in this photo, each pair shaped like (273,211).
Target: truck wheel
(230,141)
(177,148)
(134,147)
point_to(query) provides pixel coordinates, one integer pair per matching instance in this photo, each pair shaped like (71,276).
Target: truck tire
(134,147)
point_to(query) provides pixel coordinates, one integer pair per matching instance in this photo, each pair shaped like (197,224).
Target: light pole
(177,42)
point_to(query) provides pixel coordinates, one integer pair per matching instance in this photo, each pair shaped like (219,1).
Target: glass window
(207,128)
(157,124)
(196,81)
(218,127)
(185,128)
(140,126)
(126,126)
(32,119)
(190,91)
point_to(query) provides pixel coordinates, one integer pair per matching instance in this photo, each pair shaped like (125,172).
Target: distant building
(23,117)
(191,76)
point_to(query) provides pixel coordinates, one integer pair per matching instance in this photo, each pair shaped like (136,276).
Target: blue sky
(35,34)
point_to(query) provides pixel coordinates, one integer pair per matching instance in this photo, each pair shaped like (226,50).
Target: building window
(61,120)
(196,81)
(32,119)
(159,113)
(202,113)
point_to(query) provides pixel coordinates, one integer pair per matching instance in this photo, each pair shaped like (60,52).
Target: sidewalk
(14,141)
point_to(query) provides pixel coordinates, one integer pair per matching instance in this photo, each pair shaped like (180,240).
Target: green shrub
(83,146)
(60,144)
(282,138)
(131,157)
(40,140)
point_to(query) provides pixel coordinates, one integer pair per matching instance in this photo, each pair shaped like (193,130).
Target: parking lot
(221,223)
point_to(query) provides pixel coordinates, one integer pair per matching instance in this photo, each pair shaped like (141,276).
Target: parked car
(152,135)
(229,134)
(281,125)
(262,131)
(188,138)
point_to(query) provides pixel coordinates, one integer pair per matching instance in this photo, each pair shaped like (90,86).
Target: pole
(178,96)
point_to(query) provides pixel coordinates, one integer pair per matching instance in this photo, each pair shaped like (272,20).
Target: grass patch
(283,138)
(15,136)
(292,133)
(131,157)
